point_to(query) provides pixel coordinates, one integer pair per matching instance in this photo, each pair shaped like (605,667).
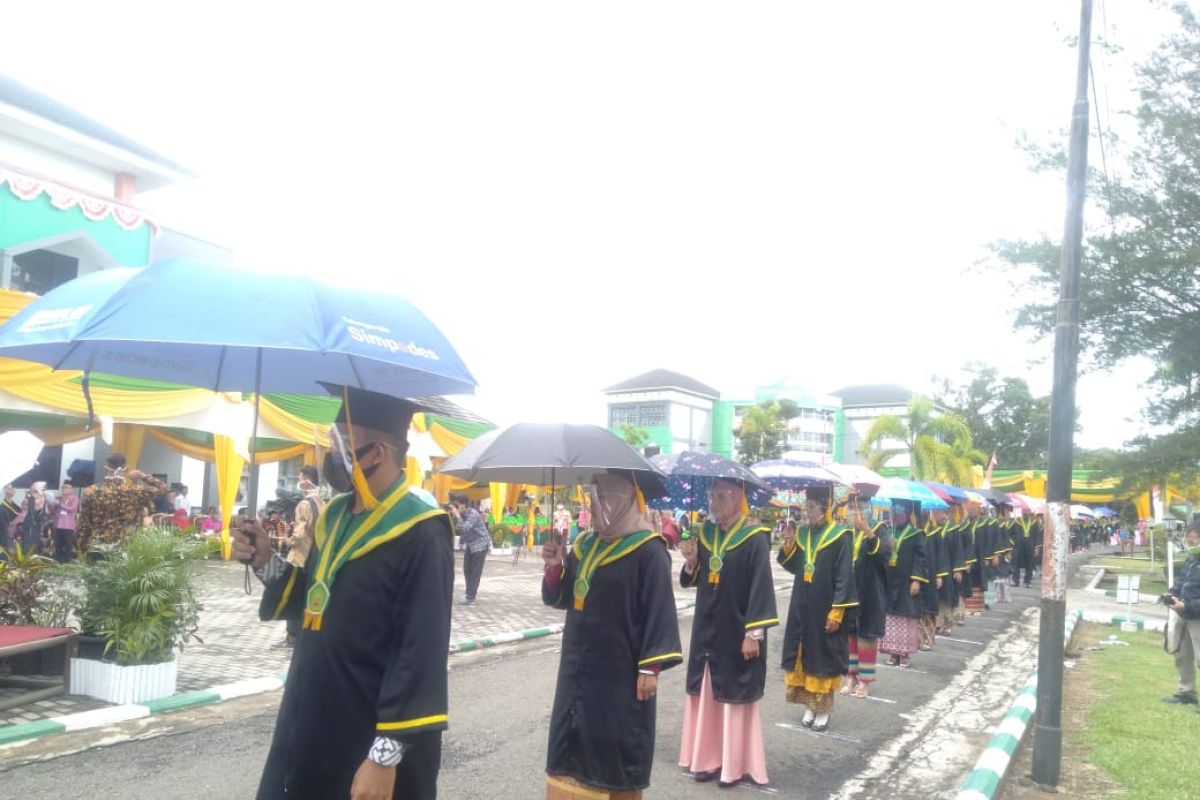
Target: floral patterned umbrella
(786,474)
(690,475)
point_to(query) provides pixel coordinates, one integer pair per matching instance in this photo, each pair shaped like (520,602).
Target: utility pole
(1047,730)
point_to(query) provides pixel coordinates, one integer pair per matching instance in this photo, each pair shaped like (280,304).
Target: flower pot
(91,646)
(113,683)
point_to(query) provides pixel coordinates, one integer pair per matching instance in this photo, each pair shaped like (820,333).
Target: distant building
(814,435)
(677,411)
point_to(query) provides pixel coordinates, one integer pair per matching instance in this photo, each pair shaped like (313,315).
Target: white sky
(577,193)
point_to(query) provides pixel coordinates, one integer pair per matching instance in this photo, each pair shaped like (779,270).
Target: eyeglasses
(722,494)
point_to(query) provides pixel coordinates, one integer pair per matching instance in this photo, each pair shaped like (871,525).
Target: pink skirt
(724,736)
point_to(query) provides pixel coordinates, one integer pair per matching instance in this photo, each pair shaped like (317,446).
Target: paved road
(924,727)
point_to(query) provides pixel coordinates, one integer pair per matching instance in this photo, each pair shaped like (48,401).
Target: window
(39,271)
(643,415)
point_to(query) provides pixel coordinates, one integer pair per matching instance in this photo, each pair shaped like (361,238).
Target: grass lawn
(1120,741)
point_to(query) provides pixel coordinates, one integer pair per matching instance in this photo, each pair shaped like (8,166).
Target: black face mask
(336,474)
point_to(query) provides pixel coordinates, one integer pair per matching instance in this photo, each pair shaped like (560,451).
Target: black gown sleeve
(787,557)
(562,597)
(660,645)
(920,564)
(413,695)
(284,586)
(845,590)
(761,611)
(881,550)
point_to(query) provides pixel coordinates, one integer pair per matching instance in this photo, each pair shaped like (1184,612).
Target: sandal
(904,663)
(893,661)
(850,686)
(862,690)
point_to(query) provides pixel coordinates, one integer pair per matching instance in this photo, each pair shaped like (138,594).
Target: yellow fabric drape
(229,476)
(128,440)
(63,434)
(1143,505)
(412,473)
(497,492)
(117,403)
(202,452)
(292,427)
(449,441)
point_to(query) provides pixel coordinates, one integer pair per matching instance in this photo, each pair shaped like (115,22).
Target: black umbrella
(552,455)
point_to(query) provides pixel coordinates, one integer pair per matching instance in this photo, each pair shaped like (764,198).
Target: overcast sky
(576,193)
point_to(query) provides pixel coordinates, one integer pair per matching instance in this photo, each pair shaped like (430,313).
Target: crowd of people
(69,522)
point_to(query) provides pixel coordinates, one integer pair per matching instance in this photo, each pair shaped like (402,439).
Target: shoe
(727,784)
(809,716)
(821,722)
(705,777)
(467,601)
(287,642)
(1182,699)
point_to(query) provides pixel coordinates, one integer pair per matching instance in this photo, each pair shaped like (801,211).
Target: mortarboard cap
(818,493)
(374,410)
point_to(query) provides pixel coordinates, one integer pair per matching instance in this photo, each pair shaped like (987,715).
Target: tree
(1141,280)
(635,436)
(762,434)
(940,446)
(1003,416)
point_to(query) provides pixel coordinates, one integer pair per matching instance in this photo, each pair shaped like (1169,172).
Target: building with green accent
(675,410)
(69,188)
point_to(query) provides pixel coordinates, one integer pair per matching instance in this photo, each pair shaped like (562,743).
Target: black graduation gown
(1002,547)
(870,579)
(379,659)
(906,565)
(973,569)
(935,566)
(600,733)
(953,563)
(1025,544)
(743,601)
(833,586)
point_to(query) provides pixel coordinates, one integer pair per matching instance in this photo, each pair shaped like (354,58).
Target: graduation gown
(1026,542)
(907,564)
(935,567)
(377,665)
(870,580)
(600,733)
(832,586)
(953,563)
(973,565)
(743,601)
(1002,547)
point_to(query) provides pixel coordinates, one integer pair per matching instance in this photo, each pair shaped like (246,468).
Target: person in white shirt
(181,499)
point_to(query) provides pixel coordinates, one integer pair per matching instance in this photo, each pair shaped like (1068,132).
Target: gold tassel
(714,578)
(361,487)
(579,604)
(745,506)
(307,619)
(641,498)
(316,621)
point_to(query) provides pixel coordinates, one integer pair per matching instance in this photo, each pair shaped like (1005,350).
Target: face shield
(611,499)
(342,470)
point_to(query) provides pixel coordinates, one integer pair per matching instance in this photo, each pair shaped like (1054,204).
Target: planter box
(106,681)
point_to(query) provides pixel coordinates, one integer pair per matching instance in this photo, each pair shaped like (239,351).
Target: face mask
(338,476)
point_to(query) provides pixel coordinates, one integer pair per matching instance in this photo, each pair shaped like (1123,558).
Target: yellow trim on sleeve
(789,552)
(878,544)
(409,724)
(762,623)
(942,574)
(919,578)
(287,593)
(664,657)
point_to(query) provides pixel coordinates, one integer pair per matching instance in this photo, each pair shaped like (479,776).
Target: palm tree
(940,446)
(762,432)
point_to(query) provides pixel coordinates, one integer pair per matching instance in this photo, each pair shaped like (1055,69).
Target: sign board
(1128,588)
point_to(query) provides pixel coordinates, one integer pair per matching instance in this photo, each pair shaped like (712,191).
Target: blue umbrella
(791,475)
(900,489)
(229,329)
(690,475)
(953,492)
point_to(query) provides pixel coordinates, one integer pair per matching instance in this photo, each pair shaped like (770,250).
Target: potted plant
(141,599)
(23,589)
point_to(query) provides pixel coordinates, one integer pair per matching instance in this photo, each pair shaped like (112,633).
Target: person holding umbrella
(815,648)
(906,573)
(729,563)
(366,697)
(621,631)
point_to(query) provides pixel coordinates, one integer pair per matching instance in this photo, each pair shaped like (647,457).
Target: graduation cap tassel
(85,382)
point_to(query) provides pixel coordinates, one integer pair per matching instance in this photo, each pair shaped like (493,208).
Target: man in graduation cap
(366,697)
(621,631)
(816,653)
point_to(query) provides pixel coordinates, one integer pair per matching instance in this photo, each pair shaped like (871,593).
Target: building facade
(676,411)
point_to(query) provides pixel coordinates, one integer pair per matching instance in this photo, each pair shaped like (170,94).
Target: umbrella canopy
(691,475)
(241,331)
(900,489)
(551,454)
(785,474)
(995,497)
(951,494)
(974,496)
(1082,512)
(19,451)
(866,481)
(1104,511)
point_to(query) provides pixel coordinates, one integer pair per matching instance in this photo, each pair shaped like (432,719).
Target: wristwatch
(386,752)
